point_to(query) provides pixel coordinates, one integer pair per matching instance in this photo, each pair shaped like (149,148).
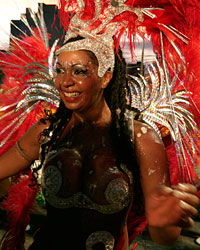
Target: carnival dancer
(105,171)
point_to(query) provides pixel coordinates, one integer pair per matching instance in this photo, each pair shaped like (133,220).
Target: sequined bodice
(83,173)
(86,174)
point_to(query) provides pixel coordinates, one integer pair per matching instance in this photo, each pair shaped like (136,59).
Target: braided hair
(115,96)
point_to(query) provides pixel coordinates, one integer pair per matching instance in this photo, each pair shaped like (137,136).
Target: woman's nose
(67,80)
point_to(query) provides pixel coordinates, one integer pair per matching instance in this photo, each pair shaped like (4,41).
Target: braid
(115,95)
(51,135)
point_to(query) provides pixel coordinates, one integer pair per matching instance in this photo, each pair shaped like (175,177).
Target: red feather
(18,204)
(184,17)
(14,83)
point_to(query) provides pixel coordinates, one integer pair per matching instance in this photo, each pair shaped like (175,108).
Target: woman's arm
(166,210)
(14,160)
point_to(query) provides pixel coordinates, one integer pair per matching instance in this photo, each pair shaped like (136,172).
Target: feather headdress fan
(169,99)
(27,85)
(166,96)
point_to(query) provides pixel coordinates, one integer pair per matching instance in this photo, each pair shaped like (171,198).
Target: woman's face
(77,80)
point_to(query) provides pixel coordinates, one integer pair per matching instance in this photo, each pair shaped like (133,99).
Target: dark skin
(84,96)
(164,214)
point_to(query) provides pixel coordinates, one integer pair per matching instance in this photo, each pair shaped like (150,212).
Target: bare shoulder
(144,132)
(33,134)
(148,144)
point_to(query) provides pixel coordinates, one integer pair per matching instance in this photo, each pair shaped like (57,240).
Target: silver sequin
(117,192)
(100,237)
(100,43)
(52,179)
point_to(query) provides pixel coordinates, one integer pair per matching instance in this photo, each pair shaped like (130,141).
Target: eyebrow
(75,64)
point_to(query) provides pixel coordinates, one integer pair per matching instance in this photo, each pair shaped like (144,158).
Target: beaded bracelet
(19,149)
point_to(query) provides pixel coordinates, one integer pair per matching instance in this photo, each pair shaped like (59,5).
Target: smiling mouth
(72,94)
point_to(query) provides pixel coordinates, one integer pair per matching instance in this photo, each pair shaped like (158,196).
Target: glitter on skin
(144,130)
(151,171)
(78,69)
(163,180)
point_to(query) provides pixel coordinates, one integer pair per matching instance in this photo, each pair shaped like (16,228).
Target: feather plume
(28,88)
(160,106)
(18,204)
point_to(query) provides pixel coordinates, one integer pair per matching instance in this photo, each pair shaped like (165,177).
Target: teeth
(72,94)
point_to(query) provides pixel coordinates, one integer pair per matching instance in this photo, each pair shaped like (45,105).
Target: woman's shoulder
(149,147)
(145,133)
(141,127)
(139,124)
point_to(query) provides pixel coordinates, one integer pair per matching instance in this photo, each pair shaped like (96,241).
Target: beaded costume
(81,178)
(165,97)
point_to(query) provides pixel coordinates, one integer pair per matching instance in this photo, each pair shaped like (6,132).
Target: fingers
(186,222)
(186,187)
(186,193)
(187,209)
(161,192)
(186,197)
(172,206)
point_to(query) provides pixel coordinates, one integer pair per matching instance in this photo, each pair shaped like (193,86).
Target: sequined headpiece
(102,23)
(162,94)
(98,28)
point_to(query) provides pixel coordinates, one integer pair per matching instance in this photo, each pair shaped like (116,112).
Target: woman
(94,169)
(100,165)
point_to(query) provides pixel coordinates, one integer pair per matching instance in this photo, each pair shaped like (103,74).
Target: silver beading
(99,40)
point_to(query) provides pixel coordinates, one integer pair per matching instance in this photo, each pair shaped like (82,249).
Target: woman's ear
(106,79)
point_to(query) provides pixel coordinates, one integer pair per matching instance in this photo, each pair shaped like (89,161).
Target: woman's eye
(80,72)
(60,71)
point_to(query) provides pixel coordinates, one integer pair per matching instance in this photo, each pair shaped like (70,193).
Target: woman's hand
(172,206)
(167,209)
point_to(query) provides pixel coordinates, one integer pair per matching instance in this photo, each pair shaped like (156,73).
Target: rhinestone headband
(99,40)
(102,47)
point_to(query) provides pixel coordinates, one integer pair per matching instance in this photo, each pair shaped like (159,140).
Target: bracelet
(19,149)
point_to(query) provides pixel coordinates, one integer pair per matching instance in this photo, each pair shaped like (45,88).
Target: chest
(85,169)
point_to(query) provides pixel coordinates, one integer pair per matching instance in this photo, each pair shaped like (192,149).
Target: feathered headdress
(165,101)
(166,96)
(28,86)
